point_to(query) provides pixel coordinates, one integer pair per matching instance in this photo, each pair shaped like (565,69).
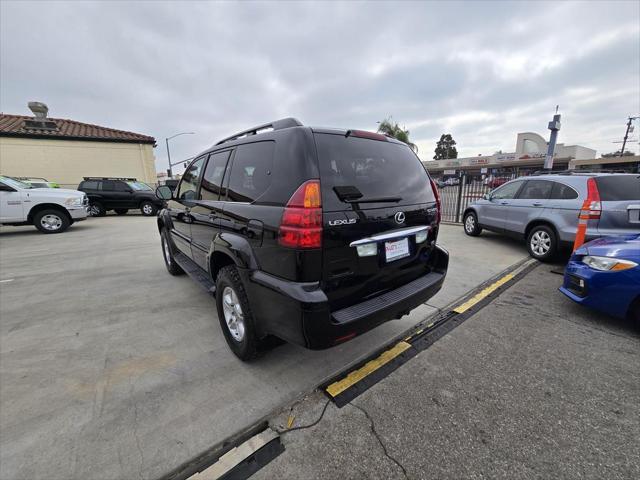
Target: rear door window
(370,168)
(90,185)
(536,190)
(211,186)
(616,188)
(108,185)
(561,191)
(250,171)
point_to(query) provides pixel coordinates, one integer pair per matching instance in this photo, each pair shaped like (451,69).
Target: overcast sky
(480,71)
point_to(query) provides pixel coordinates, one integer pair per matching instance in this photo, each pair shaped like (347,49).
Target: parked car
(50,210)
(311,235)
(38,182)
(119,195)
(452,181)
(604,274)
(544,209)
(441,183)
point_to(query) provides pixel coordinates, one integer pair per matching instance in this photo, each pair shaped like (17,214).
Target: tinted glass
(506,191)
(189,184)
(90,185)
(122,187)
(139,186)
(108,186)
(376,169)
(619,187)
(563,192)
(251,171)
(536,190)
(212,179)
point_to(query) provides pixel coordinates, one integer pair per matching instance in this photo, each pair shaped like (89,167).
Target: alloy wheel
(233,315)
(51,222)
(469,223)
(147,209)
(540,243)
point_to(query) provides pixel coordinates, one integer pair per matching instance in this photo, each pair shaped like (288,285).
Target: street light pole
(169,153)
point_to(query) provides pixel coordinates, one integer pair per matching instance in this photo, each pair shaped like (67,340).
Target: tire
(148,209)
(233,304)
(470,223)
(167,253)
(96,209)
(542,243)
(121,211)
(51,221)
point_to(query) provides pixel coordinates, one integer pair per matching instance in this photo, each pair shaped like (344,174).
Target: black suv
(311,235)
(120,195)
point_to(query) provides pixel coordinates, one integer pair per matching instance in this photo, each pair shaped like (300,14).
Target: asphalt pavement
(532,386)
(110,368)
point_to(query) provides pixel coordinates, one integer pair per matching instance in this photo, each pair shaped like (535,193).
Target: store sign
(479,161)
(483,170)
(452,164)
(449,172)
(505,158)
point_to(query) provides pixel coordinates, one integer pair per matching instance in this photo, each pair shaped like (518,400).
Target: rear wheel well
(47,206)
(217,261)
(536,223)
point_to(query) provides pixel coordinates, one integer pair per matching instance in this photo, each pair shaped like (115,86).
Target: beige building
(65,151)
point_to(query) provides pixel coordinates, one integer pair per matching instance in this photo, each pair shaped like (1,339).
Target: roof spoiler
(275,125)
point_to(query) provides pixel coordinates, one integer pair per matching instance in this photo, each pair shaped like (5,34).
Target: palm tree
(392,129)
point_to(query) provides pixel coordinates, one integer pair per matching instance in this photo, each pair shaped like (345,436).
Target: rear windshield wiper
(373,200)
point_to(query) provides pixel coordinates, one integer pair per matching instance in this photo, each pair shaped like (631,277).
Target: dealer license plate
(397,249)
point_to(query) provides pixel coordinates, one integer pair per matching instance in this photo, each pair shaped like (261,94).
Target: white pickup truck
(50,210)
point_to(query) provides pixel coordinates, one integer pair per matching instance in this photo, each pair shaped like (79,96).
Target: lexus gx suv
(311,235)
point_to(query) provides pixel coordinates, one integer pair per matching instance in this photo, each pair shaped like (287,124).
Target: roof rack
(574,172)
(275,125)
(112,178)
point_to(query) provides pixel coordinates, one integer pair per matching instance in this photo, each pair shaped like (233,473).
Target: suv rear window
(377,169)
(619,187)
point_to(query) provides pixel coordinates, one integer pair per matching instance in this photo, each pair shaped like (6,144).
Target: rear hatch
(620,197)
(372,187)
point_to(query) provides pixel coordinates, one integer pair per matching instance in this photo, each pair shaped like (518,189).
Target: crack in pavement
(375,434)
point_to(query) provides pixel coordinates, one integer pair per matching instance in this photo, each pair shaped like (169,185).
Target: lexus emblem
(399,217)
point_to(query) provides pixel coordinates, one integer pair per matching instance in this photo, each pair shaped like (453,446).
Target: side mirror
(163,192)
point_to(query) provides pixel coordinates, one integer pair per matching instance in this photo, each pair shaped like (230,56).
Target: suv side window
(561,191)
(188,188)
(90,185)
(211,186)
(536,190)
(507,191)
(251,171)
(122,187)
(108,185)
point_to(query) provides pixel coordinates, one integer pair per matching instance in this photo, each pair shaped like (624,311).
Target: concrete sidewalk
(532,386)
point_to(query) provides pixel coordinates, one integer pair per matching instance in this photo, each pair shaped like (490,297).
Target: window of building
(188,188)
(211,187)
(251,171)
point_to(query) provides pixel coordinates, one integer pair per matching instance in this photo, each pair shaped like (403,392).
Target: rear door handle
(504,203)
(537,204)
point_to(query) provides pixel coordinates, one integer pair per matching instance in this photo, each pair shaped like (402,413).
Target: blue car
(604,274)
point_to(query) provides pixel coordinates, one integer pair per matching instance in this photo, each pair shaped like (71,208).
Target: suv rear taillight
(301,224)
(434,187)
(593,197)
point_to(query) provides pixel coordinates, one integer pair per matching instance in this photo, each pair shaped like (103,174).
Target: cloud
(482,71)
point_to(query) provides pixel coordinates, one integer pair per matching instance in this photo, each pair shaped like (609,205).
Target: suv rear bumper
(299,312)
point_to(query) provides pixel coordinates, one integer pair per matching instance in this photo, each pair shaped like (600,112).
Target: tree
(391,128)
(445,148)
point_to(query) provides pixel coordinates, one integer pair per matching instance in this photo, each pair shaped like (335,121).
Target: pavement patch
(346,386)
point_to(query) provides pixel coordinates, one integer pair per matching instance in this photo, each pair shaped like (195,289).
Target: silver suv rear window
(617,188)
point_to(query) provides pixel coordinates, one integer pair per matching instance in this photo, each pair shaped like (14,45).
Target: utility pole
(554,126)
(626,135)
(169,154)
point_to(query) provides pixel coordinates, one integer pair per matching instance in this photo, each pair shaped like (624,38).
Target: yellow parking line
(478,297)
(354,377)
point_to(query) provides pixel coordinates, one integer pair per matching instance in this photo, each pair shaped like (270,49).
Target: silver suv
(543,209)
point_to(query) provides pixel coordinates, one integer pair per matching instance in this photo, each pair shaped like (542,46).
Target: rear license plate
(397,249)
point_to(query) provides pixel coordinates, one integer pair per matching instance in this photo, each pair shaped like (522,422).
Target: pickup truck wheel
(121,211)
(51,221)
(471,226)
(148,209)
(96,209)
(234,313)
(542,243)
(167,253)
